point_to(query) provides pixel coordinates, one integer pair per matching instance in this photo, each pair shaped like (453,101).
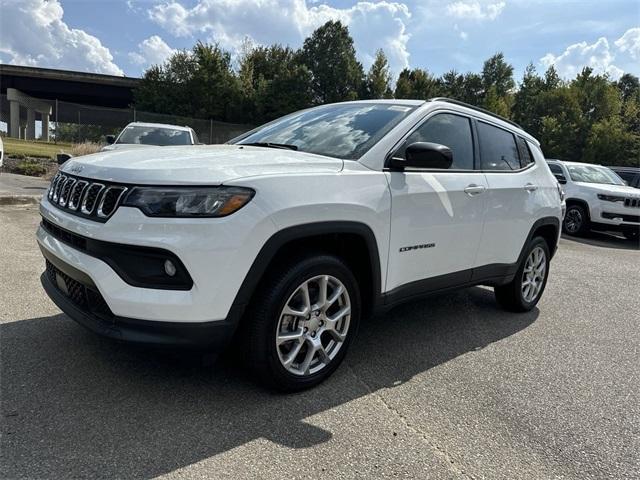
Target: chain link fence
(76,123)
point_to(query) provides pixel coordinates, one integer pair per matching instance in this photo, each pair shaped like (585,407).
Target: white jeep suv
(597,198)
(287,236)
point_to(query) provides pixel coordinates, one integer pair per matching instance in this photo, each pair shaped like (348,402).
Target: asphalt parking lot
(450,387)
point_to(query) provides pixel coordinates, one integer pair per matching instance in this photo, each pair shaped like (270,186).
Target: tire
(514,296)
(267,322)
(576,221)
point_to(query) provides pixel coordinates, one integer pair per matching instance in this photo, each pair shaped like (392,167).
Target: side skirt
(492,275)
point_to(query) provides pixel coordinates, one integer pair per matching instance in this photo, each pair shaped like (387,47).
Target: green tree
(200,83)
(331,58)
(610,143)
(525,105)
(452,85)
(274,82)
(498,74)
(629,86)
(473,89)
(416,84)
(378,80)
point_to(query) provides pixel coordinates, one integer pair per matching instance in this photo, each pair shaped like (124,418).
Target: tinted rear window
(525,154)
(498,149)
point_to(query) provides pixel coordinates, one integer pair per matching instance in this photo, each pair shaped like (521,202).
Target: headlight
(610,198)
(188,201)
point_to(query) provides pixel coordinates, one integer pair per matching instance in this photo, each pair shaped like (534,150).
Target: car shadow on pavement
(76,405)
(605,239)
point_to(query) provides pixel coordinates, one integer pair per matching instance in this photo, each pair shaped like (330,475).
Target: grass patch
(31,168)
(32,148)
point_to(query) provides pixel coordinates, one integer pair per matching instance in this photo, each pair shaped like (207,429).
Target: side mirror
(110,139)
(562,180)
(424,155)
(62,157)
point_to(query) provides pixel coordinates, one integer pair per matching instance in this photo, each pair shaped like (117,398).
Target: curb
(19,199)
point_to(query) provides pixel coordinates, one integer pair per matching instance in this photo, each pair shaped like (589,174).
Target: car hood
(201,164)
(125,146)
(609,189)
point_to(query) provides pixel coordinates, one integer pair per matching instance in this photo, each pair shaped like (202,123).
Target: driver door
(437,215)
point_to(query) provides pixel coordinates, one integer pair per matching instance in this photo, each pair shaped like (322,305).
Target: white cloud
(571,62)
(33,33)
(475,10)
(151,51)
(461,33)
(630,42)
(372,25)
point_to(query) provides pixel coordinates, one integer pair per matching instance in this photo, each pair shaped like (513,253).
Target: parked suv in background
(631,175)
(597,198)
(139,134)
(288,235)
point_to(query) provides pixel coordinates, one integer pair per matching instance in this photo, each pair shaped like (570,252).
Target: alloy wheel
(534,274)
(313,325)
(573,220)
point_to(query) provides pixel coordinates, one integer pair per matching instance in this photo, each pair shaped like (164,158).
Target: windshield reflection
(344,131)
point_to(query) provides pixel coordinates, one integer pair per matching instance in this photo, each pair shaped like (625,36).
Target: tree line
(590,118)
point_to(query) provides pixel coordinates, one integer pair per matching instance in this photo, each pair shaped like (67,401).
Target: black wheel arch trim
(544,221)
(308,230)
(579,201)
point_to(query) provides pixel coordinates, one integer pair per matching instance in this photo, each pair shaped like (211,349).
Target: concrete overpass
(30,93)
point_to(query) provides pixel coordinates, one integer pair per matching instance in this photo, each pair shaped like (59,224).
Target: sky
(124,37)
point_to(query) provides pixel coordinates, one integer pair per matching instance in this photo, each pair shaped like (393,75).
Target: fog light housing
(169,268)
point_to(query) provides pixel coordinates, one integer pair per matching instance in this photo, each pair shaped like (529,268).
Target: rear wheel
(576,220)
(302,322)
(525,290)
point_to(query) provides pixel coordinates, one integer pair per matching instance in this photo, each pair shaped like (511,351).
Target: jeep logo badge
(76,169)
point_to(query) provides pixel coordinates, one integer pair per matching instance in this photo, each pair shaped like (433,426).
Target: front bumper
(217,254)
(74,293)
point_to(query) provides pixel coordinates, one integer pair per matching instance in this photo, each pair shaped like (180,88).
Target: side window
(453,131)
(525,154)
(498,150)
(555,169)
(627,177)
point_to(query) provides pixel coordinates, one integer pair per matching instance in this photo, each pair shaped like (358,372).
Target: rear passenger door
(512,196)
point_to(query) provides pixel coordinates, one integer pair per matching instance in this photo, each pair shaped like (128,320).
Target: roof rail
(473,107)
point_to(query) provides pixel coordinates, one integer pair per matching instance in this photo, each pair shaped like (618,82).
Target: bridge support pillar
(31,124)
(14,119)
(45,126)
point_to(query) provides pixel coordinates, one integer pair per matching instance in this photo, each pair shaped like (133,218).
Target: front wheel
(576,220)
(525,290)
(302,321)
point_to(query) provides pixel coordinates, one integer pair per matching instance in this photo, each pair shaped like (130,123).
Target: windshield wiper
(284,146)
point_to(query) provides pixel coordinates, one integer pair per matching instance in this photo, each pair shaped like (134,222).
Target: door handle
(474,189)
(530,187)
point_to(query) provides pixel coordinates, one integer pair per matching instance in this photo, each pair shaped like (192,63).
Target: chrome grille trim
(56,188)
(632,202)
(65,191)
(100,211)
(95,200)
(89,210)
(80,184)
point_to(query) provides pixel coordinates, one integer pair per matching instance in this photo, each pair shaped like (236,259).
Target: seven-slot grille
(96,200)
(632,202)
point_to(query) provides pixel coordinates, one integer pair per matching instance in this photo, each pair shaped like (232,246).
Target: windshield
(593,174)
(344,131)
(154,136)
